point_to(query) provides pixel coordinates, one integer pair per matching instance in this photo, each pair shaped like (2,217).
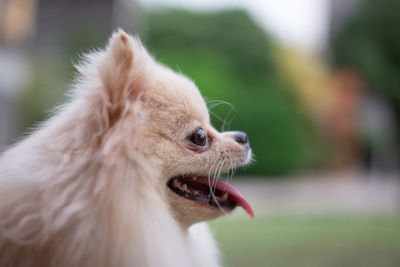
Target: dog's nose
(241,138)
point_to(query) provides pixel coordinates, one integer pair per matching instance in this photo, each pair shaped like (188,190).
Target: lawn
(308,241)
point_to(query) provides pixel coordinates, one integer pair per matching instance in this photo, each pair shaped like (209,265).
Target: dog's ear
(121,71)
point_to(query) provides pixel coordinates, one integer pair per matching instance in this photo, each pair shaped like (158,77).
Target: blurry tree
(369,41)
(231,58)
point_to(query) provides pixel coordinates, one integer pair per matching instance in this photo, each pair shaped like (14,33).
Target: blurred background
(314,83)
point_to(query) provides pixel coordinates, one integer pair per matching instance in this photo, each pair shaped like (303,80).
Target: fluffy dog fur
(88,188)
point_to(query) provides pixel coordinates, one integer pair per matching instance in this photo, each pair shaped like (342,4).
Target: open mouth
(199,188)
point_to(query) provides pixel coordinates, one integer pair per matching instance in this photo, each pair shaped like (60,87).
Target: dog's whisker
(212,192)
(227,176)
(225,123)
(223,120)
(209,175)
(218,174)
(230,122)
(233,164)
(231,171)
(219,102)
(215,178)
(216,116)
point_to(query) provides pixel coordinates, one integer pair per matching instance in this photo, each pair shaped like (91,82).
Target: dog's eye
(199,137)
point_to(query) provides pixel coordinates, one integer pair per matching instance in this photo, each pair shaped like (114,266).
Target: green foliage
(230,58)
(47,88)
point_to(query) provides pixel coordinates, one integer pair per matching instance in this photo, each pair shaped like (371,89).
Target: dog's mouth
(211,191)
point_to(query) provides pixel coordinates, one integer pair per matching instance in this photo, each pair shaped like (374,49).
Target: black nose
(241,138)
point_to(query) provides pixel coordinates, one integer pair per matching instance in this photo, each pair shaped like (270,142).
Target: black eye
(199,137)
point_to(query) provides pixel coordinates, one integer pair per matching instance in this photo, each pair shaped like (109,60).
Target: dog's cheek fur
(222,155)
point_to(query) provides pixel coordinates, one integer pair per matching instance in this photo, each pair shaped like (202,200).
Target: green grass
(308,241)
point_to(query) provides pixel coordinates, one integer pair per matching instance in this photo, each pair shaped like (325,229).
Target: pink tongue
(233,192)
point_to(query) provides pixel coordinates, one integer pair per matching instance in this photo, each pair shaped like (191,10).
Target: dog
(124,174)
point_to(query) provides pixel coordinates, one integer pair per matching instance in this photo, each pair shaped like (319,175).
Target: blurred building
(339,12)
(362,124)
(35,29)
(358,125)
(16,28)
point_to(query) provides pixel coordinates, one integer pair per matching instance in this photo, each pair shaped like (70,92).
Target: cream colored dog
(121,175)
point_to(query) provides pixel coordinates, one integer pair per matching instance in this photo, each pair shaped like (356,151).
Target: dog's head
(163,121)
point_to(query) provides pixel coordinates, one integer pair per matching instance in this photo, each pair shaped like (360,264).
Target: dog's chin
(196,198)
